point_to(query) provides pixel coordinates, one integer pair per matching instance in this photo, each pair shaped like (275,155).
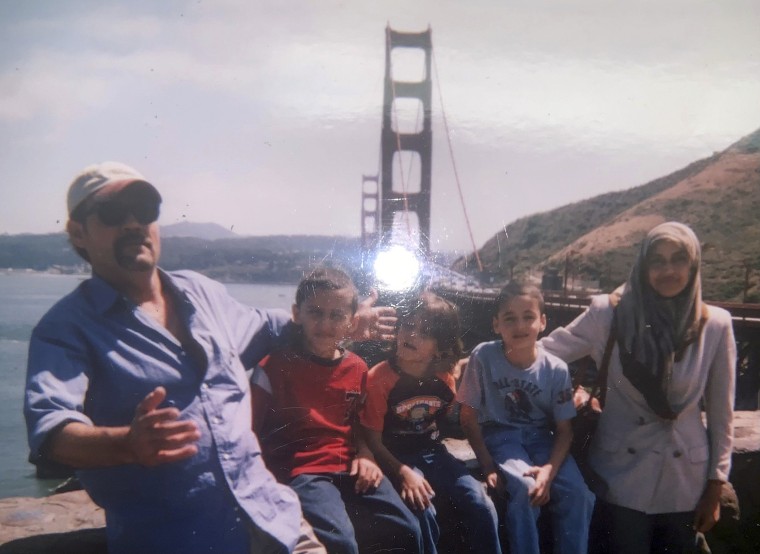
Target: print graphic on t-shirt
(517,403)
(517,398)
(418,412)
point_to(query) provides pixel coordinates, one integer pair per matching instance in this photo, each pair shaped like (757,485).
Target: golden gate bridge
(395,221)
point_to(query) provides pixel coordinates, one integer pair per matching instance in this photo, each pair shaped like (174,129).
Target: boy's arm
(387,461)
(363,466)
(469,421)
(544,475)
(414,488)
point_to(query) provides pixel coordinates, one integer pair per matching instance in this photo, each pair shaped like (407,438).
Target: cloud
(253,113)
(50,85)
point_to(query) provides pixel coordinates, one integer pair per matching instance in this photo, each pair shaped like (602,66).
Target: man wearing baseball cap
(137,379)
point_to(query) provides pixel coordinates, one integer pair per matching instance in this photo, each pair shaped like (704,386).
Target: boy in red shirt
(306,400)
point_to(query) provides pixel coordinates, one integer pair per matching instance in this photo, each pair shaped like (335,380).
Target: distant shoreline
(50,271)
(5,271)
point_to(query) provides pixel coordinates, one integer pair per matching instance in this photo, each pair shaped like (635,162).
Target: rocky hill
(207,231)
(598,238)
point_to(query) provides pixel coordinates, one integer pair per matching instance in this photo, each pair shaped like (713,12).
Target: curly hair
(438,319)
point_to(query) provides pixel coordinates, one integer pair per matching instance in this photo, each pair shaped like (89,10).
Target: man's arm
(154,437)
(374,322)
(258,332)
(261,400)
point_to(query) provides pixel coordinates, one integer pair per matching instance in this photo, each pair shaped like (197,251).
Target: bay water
(24,298)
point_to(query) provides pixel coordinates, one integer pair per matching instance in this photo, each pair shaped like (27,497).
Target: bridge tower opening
(401,203)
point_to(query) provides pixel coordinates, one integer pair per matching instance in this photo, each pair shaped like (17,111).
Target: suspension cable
(453,162)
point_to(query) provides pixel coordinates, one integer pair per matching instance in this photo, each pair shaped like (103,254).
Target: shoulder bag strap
(601,379)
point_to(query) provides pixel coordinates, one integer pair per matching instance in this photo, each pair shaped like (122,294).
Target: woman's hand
(415,490)
(707,512)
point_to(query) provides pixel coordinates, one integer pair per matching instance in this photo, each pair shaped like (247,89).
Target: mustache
(135,238)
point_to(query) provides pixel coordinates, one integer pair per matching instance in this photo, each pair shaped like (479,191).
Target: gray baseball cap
(105,178)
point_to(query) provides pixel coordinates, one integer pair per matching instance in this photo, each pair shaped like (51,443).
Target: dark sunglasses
(115,212)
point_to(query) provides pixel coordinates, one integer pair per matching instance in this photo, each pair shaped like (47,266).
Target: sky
(262,116)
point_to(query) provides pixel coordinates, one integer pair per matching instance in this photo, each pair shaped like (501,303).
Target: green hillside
(597,239)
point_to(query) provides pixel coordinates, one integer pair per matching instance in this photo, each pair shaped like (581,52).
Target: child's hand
(495,482)
(368,475)
(543,476)
(415,490)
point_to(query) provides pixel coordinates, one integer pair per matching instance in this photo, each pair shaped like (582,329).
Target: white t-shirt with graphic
(534,397)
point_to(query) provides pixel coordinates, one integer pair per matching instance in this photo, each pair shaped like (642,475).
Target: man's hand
(156,437)
(374,322)
(368,474)
(415,489)
(543,476)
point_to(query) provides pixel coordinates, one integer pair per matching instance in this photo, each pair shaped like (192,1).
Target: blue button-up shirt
(94,356)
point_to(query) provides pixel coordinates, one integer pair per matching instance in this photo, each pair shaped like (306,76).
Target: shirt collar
(105,297)
(102,294)
(323,361)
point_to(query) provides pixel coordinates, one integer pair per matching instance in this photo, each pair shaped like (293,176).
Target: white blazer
(651,464)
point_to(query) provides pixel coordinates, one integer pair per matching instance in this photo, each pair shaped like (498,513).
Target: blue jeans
(452,481)
(345,522)
(571,503)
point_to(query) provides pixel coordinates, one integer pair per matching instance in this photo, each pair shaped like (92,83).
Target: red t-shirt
(404,408)
(314,403)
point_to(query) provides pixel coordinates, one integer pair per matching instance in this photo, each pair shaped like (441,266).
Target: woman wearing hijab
(673,356)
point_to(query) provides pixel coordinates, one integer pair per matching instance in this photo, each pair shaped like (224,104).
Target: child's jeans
(571,502)
(450,479)
(347,522)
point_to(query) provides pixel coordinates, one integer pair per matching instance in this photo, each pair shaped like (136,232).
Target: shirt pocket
(230,366)
(699,454)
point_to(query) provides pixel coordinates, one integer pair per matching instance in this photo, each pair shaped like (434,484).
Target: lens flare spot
(397,269)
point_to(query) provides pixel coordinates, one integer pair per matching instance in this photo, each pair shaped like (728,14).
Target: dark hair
(438,319)
(515,289)
(326,278)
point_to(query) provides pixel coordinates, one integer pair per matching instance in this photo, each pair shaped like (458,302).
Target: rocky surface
(62,523)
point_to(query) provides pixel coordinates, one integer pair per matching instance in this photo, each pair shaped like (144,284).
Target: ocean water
(24,298)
